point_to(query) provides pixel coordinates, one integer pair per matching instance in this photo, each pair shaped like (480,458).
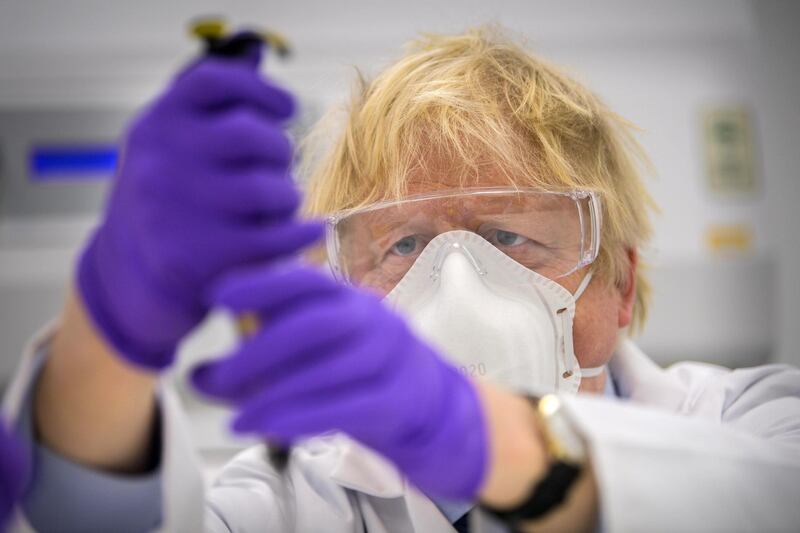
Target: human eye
(407,246)
(500,237)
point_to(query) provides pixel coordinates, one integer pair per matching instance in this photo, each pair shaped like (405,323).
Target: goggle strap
(584,283)
(591,372)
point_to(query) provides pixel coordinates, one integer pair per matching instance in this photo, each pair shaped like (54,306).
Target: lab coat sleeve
(727,458)
(75,498)
(64,495)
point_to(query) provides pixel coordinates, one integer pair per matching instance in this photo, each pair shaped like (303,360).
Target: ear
(627,291)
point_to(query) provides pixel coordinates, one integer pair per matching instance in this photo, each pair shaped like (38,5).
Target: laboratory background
(712,84)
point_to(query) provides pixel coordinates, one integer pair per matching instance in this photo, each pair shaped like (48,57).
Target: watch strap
(546,495)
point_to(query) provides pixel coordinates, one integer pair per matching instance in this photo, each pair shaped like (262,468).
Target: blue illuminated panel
(72,162)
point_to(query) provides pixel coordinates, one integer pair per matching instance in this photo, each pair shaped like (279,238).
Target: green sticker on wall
(729,150)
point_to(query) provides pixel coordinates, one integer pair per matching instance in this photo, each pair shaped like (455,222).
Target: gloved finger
(223,246)
(352,361)
(315,413)
(250,193)
(217,84)
(307,418)
(289,344)
(183,178)
(244,245)
(267,290)
(250,375)
(241,136)
(370,405)
(279,240)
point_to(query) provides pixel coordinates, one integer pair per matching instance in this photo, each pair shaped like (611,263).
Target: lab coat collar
(361,469)
(638,378)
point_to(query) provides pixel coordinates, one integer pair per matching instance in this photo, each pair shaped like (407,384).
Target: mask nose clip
(454,247)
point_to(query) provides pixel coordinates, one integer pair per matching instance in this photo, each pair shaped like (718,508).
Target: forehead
(441,175)
(451,178)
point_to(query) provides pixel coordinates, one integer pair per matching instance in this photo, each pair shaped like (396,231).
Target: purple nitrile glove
(204,186)
(14,469)
(331,357)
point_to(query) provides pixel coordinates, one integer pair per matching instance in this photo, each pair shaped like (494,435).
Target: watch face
(566,442)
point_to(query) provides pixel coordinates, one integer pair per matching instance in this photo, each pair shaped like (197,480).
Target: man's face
(600,312)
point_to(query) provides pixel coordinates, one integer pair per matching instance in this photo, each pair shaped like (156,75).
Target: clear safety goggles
(551,233)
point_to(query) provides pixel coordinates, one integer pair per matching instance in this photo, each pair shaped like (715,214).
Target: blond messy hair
(479,100)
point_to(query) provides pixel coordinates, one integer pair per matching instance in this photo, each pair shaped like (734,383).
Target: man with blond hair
(485,214)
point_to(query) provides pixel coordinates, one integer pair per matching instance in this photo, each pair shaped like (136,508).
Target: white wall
(99,52)
(658,63)
(778,100)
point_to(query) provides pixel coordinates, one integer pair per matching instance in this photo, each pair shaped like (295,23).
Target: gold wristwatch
(563,441)
(568,456)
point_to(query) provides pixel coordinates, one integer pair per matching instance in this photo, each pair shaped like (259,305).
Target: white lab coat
(693,448)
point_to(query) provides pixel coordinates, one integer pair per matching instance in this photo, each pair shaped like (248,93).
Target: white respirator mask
(492,317)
